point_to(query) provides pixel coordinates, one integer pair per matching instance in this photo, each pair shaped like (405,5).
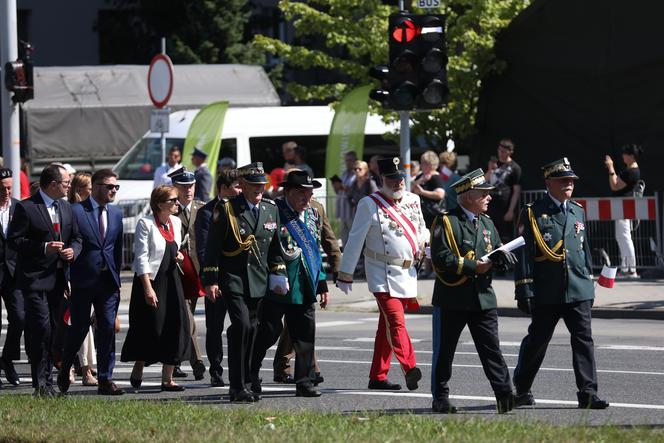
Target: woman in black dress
(158,321)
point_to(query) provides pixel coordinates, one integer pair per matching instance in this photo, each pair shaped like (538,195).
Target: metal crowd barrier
(646,233)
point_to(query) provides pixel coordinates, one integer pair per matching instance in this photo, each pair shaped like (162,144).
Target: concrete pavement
(638,299)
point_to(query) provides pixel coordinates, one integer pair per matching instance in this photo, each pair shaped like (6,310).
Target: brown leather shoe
(108,388)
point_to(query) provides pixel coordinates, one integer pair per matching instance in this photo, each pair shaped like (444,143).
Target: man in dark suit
(45,235)
(463,295)
(215,312)
(554,281)
(185,184)
(12,296)
(95,279)
(242,254)
(202,175)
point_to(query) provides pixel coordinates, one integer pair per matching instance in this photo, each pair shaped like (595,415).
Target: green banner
(205,134)
(347,131)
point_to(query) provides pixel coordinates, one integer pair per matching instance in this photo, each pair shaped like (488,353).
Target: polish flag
(607,277)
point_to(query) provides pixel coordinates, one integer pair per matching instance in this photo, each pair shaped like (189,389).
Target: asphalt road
(630,360)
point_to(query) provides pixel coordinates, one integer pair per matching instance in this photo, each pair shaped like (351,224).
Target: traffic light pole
(404,138)
(11,136)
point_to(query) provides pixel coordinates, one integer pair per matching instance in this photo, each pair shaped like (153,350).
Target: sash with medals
(399,218)
(305,241)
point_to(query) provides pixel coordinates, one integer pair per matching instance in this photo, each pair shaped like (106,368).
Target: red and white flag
(607,277)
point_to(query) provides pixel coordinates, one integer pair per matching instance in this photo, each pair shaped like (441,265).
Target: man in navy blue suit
(95,278)
(45,236)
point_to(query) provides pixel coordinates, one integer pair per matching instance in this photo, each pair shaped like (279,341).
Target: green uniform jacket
(300,291)
(545,280)
(247,271)
(475,293)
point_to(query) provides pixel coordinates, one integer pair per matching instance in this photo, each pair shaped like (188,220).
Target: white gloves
(345,286)
(278,284)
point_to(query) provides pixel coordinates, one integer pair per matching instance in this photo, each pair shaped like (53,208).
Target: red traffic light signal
(403,30)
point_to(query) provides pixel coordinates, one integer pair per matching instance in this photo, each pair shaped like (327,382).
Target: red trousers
(391,336)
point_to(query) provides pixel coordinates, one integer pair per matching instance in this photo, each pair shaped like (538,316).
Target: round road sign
(160,80)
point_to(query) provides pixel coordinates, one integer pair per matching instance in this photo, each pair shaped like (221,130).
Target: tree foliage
(354,38)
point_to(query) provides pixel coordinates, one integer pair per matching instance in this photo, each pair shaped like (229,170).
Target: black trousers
(241,334)
(42,309)
(577,318)
(215,312)
(105,298)
(483,326)
(15,307)
(301,324)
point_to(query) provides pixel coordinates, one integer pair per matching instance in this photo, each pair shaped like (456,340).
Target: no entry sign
(160,80)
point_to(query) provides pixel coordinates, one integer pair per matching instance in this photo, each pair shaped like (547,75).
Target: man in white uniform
(391,222)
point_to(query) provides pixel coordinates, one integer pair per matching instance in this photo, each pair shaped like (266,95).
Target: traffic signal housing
(416,77)
(19,77)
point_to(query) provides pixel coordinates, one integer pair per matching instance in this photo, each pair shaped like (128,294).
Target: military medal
(578,226)
(547,236)
(242,231)
(487,237)
(270,225)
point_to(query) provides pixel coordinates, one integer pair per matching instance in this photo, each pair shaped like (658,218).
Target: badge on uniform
(242,231)
(547,236)
(487,236)
(270,225)
(578,226)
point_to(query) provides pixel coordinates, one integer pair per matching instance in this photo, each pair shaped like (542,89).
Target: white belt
(405,263)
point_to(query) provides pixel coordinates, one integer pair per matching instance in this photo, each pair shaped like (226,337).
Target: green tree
(354,36)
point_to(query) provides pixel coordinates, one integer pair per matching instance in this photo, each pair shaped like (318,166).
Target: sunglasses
(109,186)
(171,200)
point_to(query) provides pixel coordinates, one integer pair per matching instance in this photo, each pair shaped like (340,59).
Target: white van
(249,135)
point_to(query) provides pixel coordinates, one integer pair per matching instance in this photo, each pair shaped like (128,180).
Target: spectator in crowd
(430,188)
(225,163)
(300,157)
(342,187)
(24,180)
(505,175)
(11,295)
(186,185)
(80,190)
(273,190)
(158,313)
(288,152)
(363,184)
(449,176)
(623,184)
(215,312)
(173,159)
(96,282)
(375,172)
(45,246)
(415,169)
(202,175)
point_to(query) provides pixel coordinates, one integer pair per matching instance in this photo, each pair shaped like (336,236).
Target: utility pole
(404,132)
(11,136)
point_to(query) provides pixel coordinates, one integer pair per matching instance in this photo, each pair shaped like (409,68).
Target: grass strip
(23,419)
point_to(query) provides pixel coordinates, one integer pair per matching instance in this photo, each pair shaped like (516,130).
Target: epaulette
(530,205)
(576,203)
(267,200)
(223,199)
(485,215)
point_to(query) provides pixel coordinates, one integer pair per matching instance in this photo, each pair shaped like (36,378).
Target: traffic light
(416,77)
(19,77)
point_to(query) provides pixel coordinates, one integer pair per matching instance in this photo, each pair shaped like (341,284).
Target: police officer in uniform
(554,281)
(463,294)
(241,254)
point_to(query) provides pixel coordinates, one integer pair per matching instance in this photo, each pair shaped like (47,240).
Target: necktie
(475,222)
(56,220)
(562,208)
(102,224)
(255,212)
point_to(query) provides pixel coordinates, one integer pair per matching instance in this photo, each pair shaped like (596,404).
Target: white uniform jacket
(385,241)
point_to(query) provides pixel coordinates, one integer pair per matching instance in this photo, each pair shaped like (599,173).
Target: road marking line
(373,339)
(327,324)
(630,348)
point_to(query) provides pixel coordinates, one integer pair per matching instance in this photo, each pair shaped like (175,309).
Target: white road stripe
(328,324)
(631,348)
(371,340)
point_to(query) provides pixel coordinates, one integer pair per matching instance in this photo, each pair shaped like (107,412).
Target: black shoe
(318,379)
(384,385)
(505,403)
(591,401)
(443,406)
(242,396)
(179,373)
(286,379)
(306,391)
(199,370)
(10,372)
(108,388)
(171,388)
(216,381)
(45,392)
(135,382)
(525,399)
(63,380)
(412,377)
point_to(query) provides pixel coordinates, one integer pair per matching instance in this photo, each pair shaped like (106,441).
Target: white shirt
(95,208)
(469,214)
(48,201)
(4,217)
(161,174)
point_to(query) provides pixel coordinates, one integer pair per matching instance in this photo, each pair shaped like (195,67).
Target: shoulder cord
(449,236)
(242,245)
(547,253)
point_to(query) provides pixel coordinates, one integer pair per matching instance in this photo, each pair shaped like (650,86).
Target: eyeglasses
(172,201)
(64,182)
(109,186)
